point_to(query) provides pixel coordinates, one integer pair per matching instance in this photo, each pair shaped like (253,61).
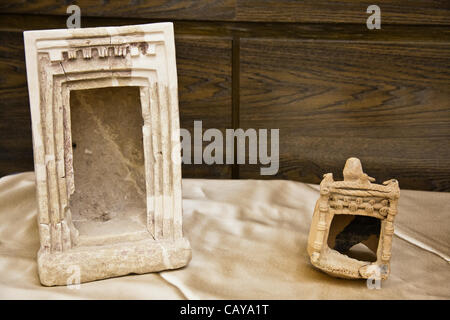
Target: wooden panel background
(310,68)
(386,103)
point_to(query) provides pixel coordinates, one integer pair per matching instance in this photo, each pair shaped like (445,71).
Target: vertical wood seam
(235,97)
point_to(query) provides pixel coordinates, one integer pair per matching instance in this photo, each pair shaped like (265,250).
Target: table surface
(249,242)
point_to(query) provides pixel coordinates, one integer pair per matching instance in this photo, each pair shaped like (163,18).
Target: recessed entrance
(108,161)
(356,236)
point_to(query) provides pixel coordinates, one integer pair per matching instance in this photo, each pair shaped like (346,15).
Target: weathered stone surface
(108,161)
(112,260)
(105,124)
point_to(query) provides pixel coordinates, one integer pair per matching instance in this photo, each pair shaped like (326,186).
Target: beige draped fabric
(249,242)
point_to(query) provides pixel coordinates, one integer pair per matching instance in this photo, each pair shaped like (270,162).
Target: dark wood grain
(344,11)
(204,77)
(271,30)
(334,90)
(149,9)
(417,12)
(386,103)
(16,152)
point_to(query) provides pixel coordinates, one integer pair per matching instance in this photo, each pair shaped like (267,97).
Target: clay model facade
(352,213)
(106,141)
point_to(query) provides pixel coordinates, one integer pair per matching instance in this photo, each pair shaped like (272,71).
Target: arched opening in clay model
(355,236)
(108,162)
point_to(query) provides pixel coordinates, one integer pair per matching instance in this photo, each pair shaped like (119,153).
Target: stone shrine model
(106,138)
(352,213)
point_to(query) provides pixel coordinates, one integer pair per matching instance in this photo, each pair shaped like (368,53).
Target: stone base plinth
(88,263)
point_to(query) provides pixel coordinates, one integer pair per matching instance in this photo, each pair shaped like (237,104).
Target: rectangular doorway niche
(108,161)
(106,143)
